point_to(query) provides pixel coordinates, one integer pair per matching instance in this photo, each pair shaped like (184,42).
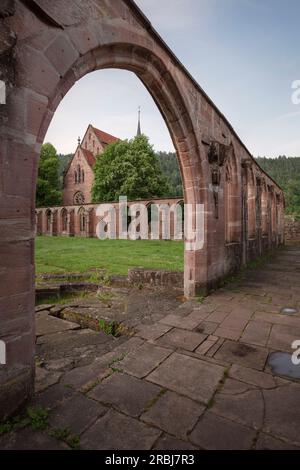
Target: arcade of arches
(45,47)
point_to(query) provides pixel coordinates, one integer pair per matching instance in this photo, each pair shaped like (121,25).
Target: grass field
(62,254)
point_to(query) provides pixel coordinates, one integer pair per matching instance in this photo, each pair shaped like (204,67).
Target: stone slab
(115,431)
(125,393)
(174,414)
(46,324)
(152,332)
(244,354)
(76,414)
(256,333)
(183,339)
(188,376)
(143,360)
(213,432)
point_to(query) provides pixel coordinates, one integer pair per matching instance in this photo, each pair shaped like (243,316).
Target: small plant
(64,434)
(109,328)
(200,299)
(38,417)
(35,418)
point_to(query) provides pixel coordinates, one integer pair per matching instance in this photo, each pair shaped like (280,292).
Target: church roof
(88,156)
(104,137)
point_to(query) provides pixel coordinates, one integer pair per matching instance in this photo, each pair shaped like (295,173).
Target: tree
(128,168)
(47,191)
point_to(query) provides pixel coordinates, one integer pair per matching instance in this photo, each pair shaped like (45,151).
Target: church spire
(139,123)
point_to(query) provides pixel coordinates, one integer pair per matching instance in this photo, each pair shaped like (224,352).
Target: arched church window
(82,176)
(75,176)
(78,173)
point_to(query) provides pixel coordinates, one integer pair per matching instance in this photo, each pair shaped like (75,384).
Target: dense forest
(284,170)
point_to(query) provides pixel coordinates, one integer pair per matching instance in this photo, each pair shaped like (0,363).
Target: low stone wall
(292,228)
(155,277)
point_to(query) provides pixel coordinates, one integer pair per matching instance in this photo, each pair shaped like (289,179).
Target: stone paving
(193,376)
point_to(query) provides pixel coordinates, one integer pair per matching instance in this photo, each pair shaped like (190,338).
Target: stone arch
(49,52)
(39,222)
(251,202)
(264,208)
(64,221)
(49,221)
(82,220)
(232,200)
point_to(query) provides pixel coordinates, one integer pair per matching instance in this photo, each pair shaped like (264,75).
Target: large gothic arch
(48,46)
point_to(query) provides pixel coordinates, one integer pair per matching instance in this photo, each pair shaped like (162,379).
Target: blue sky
(244,53)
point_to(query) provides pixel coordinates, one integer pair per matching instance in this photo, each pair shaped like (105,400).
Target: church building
(79,176)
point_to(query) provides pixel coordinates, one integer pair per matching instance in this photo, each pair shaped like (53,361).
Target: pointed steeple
(139,123)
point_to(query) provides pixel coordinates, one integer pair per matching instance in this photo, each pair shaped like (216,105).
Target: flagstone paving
(185,377)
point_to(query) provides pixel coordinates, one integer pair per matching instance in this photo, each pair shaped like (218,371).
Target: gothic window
(79,174)
(82,176)
(98,150)
(75,176)
(79,198)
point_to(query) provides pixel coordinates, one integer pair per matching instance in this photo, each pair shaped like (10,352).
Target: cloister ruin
(45,47)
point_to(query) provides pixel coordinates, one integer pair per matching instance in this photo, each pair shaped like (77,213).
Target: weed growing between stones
(35,418)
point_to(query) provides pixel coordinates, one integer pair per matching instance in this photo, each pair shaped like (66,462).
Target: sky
(245,54)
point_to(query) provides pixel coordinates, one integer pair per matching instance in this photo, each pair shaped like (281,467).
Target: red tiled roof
(89,157)
(104,137)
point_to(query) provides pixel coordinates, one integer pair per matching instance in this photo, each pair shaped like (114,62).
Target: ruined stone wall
(45,47)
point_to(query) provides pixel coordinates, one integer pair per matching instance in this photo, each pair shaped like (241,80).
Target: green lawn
(63,254)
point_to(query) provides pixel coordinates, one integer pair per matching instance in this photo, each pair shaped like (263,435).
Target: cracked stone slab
(266,442)
(251,376)
(76,414)
(282,337)
(282,413)
(187,323)
(244,354)
(188,376)
(53,396)
(26,439)
(115,431)
(43,307)
(236,402)
(152,332)
(183,339)
(256,333)
(213,432)
(126,393)
(44,379)
(143,360)
(174,414)
(46,324)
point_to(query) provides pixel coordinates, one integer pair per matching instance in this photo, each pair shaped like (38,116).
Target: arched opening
(64,220)
(264,209)
(48,222)
(82,220)
(232,200)
(251,202)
